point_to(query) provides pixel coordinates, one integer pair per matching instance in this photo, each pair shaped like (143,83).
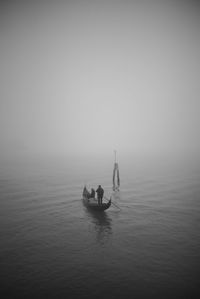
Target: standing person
(100,193)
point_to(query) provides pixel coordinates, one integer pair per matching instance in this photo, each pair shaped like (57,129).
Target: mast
(116,179)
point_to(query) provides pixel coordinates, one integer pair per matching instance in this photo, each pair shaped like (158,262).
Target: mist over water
(80,79)
(52,246)
(92,76)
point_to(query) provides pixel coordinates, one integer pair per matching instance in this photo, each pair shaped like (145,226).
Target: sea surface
(147,245)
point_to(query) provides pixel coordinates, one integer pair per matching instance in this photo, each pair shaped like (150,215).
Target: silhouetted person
(100,193)
(92,193)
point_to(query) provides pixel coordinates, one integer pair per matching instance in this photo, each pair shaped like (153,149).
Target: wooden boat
(92,203)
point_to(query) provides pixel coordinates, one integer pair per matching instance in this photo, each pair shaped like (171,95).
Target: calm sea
(53,247)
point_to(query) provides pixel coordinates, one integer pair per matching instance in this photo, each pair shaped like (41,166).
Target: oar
(112,202)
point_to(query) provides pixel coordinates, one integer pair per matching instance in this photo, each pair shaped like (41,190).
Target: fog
(87,77)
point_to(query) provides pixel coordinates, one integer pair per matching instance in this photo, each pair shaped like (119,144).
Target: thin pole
(115,155)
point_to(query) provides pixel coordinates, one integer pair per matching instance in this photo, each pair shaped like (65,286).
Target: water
(53,247)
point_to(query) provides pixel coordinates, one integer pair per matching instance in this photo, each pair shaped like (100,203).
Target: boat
(92,203)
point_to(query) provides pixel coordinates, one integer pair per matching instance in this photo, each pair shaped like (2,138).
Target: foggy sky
(93,76)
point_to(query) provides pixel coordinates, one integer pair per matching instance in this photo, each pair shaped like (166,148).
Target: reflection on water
(116,195)
(102,225)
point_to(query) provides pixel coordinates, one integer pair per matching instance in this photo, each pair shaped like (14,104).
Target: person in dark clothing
(92,195)
(100,193)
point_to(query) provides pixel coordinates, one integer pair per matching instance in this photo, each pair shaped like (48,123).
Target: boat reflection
(102,225)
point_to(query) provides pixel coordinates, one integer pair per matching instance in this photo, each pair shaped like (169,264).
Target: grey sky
(91,76)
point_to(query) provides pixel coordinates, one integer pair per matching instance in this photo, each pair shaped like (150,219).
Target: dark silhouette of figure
(92,195)
(100,193)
